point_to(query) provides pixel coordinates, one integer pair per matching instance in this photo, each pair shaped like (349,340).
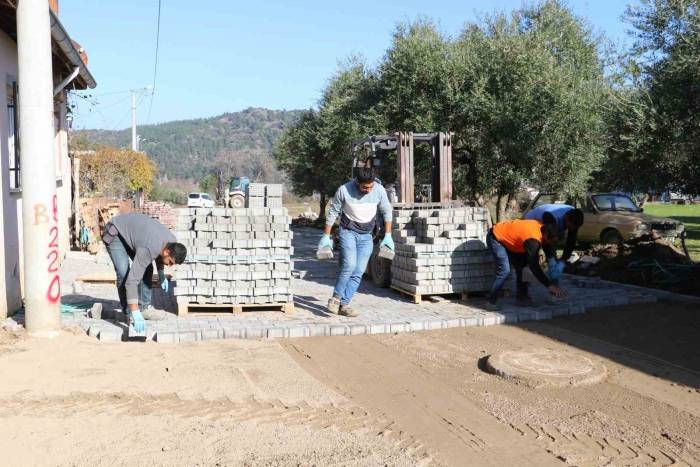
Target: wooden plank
(418,298)
(97,278)
(183,308)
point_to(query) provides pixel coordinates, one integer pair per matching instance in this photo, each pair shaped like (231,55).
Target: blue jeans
(355,251)
(120,255)
(500,254)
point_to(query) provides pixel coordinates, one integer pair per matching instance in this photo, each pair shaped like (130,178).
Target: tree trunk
(322,208)
(499,208)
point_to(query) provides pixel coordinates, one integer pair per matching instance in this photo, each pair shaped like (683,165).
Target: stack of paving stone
(441,250)
(264,195)
(235,256)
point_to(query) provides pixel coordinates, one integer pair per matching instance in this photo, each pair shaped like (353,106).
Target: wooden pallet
(183,308)
(418,298)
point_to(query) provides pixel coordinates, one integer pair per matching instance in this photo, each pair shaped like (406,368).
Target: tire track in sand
(344,418)
(450,427)
(585,449)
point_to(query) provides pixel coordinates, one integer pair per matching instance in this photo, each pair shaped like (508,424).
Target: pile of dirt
(654,264)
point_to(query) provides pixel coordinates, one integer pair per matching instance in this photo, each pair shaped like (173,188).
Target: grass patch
(689,214)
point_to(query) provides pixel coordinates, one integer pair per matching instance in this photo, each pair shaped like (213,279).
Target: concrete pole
(39,203)
(134,141)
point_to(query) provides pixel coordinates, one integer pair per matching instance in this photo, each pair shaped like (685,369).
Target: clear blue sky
(221,56)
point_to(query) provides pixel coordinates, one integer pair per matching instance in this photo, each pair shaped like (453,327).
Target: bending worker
(518,242)
(357,203)
(568,219)
(143,240)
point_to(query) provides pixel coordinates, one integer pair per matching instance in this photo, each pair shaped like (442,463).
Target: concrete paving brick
(277,332)
(211,333)
(111,334)
(339,330)
(255,333)
(234,333)
(190,336)
(168,337)
(301,331)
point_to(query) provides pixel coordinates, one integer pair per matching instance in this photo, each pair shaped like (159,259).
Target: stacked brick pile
(235,256)
(264,195)
(162,212)
(441,250)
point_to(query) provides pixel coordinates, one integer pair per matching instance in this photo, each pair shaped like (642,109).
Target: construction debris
(655,264)
(239,256)
(441,250)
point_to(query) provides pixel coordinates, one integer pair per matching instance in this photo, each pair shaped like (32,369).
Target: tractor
(236,193)
(391,158)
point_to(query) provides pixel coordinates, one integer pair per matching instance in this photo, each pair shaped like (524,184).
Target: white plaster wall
(63,176)
(10,203)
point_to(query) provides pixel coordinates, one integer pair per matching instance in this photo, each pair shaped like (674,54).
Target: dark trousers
(120,255)
(504,260)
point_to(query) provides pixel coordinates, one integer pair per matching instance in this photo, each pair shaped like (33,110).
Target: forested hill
(187,149)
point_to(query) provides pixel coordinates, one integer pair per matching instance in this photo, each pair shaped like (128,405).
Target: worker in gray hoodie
(142,240)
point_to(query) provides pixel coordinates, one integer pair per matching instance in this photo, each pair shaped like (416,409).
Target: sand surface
(76,401)
(405,399)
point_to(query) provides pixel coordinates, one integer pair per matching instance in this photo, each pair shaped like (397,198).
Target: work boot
(345,310)
(492,306)
(333,305)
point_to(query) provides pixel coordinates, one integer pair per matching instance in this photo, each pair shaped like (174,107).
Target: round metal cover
(546,367)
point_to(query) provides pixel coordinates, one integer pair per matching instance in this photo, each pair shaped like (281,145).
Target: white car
(199,200)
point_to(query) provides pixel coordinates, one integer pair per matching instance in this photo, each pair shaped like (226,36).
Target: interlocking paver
(381,310)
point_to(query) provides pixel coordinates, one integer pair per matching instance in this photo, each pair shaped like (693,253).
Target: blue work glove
(164,284)
(325,242)
(387,242)
(136,318)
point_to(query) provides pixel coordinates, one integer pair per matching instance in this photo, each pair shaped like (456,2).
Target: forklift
(391,158)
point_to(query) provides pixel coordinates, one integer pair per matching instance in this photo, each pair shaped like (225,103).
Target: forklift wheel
(380,269)
(236,201)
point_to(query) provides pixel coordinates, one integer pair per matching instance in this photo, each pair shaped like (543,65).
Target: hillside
(189,149)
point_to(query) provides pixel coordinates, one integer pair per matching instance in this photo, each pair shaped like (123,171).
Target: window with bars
(13,135)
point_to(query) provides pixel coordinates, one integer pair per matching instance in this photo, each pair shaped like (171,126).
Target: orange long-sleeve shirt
(514,234)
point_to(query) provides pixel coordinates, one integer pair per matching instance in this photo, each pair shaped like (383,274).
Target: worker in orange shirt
(518,242)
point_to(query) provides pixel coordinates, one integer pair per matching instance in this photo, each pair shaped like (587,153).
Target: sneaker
(154,314)
(347,311)
(492,306)
(333,305)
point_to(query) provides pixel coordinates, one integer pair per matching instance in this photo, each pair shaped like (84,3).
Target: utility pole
(37,161)
(134,141)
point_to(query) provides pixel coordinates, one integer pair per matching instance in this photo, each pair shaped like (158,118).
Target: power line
(155,65)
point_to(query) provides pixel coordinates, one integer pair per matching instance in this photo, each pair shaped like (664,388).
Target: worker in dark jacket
(142,240)
(518,242)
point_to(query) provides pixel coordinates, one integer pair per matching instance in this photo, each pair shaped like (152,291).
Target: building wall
(11,244)
(63,174)
(10,202)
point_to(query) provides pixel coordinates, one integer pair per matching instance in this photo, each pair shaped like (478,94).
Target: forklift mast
(370,153)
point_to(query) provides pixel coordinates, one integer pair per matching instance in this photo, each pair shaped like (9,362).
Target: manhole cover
(546,367)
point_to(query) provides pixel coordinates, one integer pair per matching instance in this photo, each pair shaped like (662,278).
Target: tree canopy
(524,93)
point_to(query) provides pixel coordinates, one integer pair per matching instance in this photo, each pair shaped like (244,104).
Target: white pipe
(66,81)
(40,225)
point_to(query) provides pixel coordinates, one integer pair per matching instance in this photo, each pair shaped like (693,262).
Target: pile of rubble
(235,256)
(162,212)
(441,250)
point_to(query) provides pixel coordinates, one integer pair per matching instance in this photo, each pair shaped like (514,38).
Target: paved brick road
(382,310)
